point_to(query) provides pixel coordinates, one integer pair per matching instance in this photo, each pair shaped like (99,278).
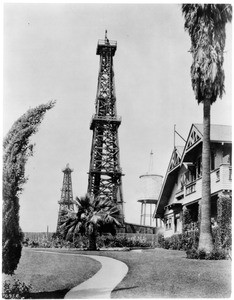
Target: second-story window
(190,174)
(182,182)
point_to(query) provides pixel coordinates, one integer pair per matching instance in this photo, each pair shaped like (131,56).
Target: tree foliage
(205,24)
(94,216)
(16,151)
(224,220)
(186,219)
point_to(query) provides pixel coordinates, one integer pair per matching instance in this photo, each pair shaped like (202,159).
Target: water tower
(150,186)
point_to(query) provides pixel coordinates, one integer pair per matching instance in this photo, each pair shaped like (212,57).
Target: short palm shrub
(15,290)
(95,216)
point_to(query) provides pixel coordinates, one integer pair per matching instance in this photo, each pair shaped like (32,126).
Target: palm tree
(205,24)
(94,216)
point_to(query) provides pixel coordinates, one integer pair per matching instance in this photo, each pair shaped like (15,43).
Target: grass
(156,273)
(161,273)
(53,275)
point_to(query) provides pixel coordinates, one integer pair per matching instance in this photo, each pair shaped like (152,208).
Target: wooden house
(182,184)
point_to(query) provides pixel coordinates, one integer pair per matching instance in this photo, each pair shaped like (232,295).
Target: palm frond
(94,214)
(205,24)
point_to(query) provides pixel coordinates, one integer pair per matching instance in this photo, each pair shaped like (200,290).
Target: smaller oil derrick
(66,200)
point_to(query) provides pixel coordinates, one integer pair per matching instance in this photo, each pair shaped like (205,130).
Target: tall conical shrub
(16,150)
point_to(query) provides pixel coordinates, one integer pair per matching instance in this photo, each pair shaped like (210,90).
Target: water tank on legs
(149,188)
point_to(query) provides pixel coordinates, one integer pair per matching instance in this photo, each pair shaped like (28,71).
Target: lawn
(53,275)
(156,273)
(161,273)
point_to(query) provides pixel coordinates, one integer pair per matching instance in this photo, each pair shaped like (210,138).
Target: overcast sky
(50,53)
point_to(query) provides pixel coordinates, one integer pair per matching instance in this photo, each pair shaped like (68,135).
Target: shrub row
(216,254)
(183,241)
(107,241)
(123,241)
(188,241)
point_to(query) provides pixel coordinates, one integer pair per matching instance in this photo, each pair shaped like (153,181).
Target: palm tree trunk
(92,241)
(205,239)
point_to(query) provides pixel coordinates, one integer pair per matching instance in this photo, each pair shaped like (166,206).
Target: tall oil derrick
(66,200)
(105,172)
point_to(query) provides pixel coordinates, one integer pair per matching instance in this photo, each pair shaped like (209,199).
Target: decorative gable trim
(175,160)
(194,137)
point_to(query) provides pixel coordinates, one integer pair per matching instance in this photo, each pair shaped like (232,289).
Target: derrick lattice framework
(105,172)
(66,200)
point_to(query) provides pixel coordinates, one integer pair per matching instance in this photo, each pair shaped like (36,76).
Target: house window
(190,174)
(218,175)
(227,155)
(191,188)
(168,223)
(212,161)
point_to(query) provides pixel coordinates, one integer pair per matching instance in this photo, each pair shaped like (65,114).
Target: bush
(186,219)
(224,215)
(192,253)
(57,242)
(109,241)
(216,254)
(182,241)
(15,290)
(189,241)
(82,242)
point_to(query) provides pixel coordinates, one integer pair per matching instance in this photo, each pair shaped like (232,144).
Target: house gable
(195,136)
(175,160)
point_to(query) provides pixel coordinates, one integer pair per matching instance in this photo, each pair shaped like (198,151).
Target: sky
(49,52)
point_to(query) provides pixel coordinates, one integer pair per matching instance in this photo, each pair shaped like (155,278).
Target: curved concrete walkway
(103,282)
